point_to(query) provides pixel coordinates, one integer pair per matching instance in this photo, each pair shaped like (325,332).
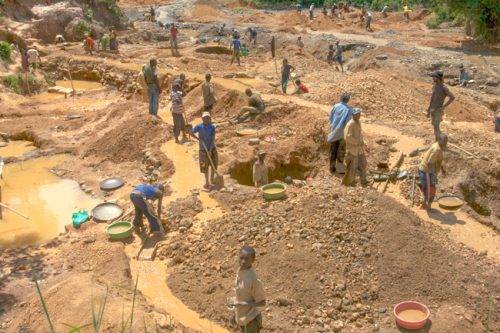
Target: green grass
(16,83)
(5,51)
(97,314)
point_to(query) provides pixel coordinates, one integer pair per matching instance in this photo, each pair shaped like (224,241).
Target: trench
(49,201)
(242,172)
(153,286)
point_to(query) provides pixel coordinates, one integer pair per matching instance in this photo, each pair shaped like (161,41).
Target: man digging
(437,104)
(138,196)
(355,160)
(249,294)
(429,167)
(208,157)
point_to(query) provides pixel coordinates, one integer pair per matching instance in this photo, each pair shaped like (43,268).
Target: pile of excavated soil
(125,133)
(229,102)
(75,271)
(206,13)
(332,257)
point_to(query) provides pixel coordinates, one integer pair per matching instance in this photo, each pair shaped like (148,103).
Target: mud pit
(369,251)
(48,202)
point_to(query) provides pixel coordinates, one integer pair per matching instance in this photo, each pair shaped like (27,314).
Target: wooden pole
(13,210)
(1,215)
(71,79)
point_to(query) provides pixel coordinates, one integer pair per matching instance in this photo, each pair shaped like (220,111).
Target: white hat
(205,114)
(356,111)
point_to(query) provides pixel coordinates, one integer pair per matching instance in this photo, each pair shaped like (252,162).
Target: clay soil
(331,259)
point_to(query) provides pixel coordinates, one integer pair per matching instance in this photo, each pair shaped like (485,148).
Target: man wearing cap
(355,160)
(208,92)
(338,56)
(208,151)
(437,105)
(260,171)
(249,294)
(154,90)
(429,167)
(340,115)
(138,196)
(177,109)
(255,106)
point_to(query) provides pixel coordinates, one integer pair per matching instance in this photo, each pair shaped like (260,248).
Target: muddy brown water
(412,315)
(80,85)
(16,148)
(155,289)
(30,188)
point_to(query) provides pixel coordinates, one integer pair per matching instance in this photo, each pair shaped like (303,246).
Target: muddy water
(16,148)
(79,85)
(47,200)
(186,179)
(412,315)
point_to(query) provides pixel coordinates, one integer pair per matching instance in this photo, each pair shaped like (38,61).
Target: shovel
(219,180)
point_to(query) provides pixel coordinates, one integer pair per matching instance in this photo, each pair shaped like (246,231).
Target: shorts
(205,162)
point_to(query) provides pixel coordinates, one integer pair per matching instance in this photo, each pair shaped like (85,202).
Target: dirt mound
(206,13)
(213,50)
(84,265)
(330,256)
(127,132)
(229,102)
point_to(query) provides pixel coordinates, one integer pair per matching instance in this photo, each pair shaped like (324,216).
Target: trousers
(141,208)
(154,99)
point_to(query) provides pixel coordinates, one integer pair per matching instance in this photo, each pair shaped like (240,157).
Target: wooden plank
(147,252)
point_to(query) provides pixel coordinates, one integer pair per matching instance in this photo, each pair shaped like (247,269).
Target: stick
(1,215)
(394,171)
(71,79)
(413,190)
(28,83)
(462,150)
(13,210)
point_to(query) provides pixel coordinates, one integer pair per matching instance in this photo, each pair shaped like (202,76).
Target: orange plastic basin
(411,315)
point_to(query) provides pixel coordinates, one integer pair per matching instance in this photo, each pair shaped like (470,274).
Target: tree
(482,14)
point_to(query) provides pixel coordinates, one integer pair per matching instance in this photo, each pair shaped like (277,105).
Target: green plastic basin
(273,191)
(119,230)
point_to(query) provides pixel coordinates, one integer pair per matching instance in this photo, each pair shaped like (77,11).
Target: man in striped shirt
(177,109)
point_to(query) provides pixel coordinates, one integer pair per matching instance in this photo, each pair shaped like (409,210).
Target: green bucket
(119,230)
(273,191)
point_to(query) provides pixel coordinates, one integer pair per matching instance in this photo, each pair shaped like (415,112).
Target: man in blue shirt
(208,157)
(138,196)
(236,46)
(339,117)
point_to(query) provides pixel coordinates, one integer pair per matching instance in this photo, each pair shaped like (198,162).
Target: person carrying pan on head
(208,156)
(429,167)
(138,196)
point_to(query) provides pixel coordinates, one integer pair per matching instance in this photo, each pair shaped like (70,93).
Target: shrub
(16,83)
(5,51)
(82,28)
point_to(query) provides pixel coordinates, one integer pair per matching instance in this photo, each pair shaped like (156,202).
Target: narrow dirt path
(153,284)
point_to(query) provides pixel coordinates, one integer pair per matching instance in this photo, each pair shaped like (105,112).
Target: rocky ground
(330,258)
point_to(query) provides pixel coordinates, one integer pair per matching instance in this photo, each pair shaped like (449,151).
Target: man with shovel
(208,157)
(138,196)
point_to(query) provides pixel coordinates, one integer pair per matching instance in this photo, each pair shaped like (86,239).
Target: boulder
(52,20)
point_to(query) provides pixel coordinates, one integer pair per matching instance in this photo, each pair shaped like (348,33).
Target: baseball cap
(437,74)
(356,111)
(206,114)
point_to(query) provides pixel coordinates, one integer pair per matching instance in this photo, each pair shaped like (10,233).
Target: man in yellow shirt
(355,160)
(429,167)
(249,294)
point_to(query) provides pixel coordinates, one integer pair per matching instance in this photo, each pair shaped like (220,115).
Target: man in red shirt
(173,40)
(301,88)
(88,44)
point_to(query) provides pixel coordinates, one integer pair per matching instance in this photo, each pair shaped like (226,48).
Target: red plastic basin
(411,305)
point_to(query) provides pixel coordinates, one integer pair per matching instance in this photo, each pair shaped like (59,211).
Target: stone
(381,57)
